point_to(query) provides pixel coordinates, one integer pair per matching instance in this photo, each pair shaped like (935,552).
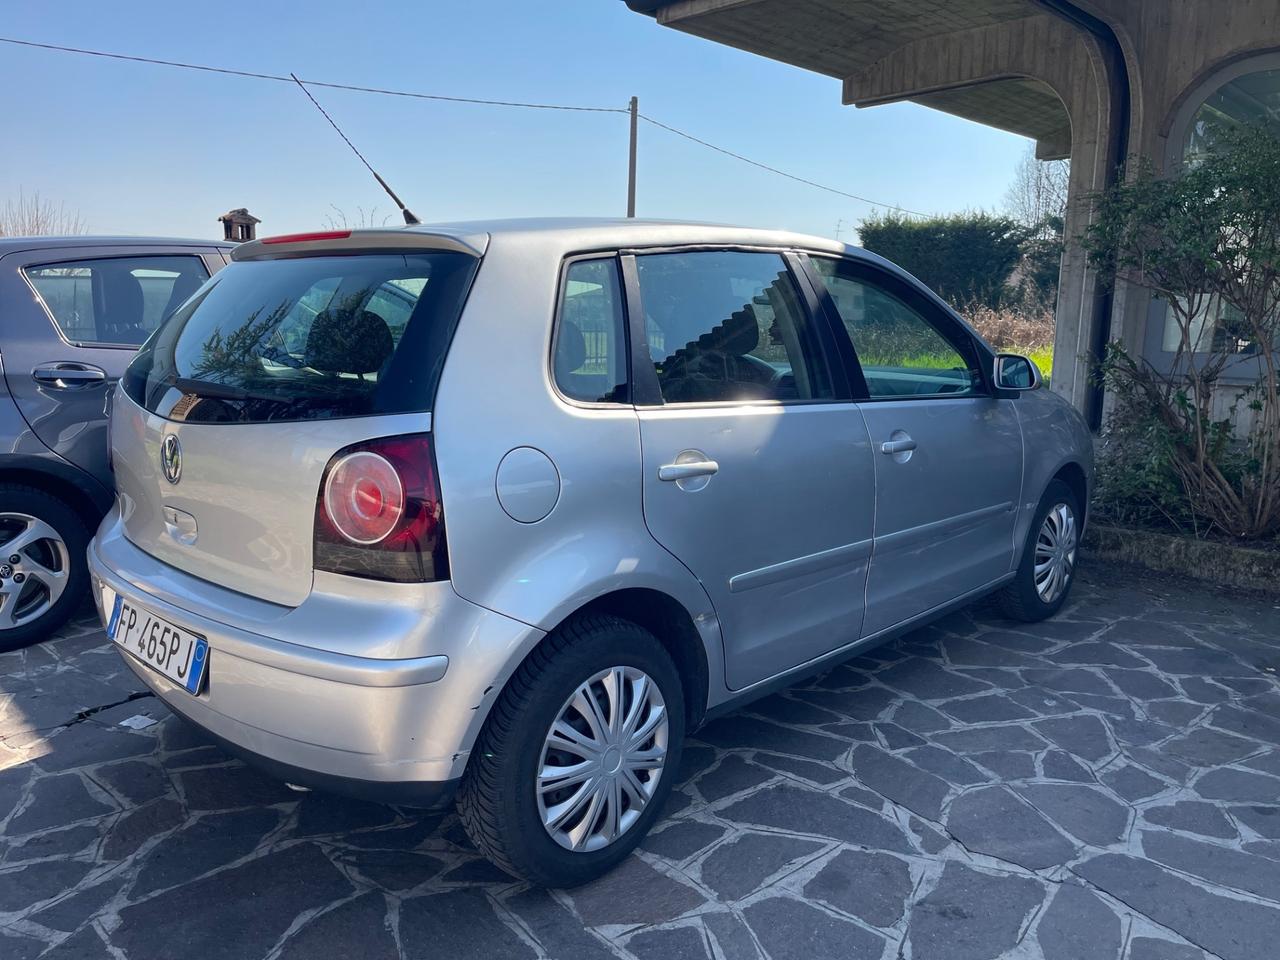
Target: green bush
(965,258)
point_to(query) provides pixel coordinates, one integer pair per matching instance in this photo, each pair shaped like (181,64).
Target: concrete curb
(1206,560)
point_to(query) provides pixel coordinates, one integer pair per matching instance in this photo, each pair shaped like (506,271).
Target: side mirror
(1015,372)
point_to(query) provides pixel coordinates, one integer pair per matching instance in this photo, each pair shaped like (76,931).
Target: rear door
(948,454)
(72,320)
(758,473)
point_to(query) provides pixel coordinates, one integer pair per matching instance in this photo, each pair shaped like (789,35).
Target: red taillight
(378,512)
(364,497)
(307,237)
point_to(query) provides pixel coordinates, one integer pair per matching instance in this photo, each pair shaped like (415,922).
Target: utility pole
(631,165)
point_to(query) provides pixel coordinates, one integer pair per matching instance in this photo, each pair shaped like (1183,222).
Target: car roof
(559,236)
(585,232)
(14,244)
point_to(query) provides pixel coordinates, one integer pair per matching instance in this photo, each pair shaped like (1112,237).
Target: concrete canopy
(870,46)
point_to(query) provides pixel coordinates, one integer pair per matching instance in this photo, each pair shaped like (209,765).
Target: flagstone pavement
(1102,785)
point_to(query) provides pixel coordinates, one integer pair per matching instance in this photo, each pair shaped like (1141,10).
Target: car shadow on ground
(1105,784)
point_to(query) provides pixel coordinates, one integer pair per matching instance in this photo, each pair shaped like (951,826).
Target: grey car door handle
(684,471)
(897,446)
(69,374)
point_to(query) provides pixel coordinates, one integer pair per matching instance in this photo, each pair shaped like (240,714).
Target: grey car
(496,512)
(72,312)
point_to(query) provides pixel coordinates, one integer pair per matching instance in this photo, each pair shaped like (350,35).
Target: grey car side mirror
(1016,372)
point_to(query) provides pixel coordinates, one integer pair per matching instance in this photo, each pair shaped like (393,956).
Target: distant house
(239,225)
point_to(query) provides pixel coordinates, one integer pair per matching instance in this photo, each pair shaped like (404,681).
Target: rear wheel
(1047,569)
(43,572)
(576,759)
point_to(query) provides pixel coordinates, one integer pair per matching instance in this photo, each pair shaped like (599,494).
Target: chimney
(239,225)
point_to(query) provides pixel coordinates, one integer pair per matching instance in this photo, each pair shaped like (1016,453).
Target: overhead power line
(781,173)
(382,91)
(287,78)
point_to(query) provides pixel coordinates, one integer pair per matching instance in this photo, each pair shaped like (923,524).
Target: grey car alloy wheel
(1055,559)
(602,759)
(34,568)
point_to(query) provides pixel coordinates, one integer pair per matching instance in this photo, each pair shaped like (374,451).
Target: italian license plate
(179,654)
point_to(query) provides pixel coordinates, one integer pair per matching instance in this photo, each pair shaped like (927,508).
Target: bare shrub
(1012,327)
(30,215)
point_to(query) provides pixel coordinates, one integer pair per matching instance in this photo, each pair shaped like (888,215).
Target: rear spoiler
(358,241)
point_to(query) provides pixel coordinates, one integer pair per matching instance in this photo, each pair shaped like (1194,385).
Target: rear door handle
(69,374)
(891,447)
(686,471)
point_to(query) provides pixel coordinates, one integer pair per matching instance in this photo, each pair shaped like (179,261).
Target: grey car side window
(902,352)
(729,326)
(115,300)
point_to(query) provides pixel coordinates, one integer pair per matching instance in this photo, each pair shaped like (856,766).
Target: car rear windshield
(306,338)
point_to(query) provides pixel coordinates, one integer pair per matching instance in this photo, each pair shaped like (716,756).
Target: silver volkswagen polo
(497,512)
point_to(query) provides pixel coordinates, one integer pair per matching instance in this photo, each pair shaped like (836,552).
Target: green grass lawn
(1041,356)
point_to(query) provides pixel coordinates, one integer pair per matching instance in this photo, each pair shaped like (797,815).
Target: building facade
(1097,81)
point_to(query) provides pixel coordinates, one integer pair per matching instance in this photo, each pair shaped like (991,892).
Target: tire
(21,507)
(499,800)
(1023,599)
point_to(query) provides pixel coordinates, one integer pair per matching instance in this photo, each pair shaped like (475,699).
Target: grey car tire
(19,499)
(500,801)
(1023,599)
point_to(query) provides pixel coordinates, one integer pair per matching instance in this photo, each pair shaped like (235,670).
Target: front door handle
(891,447)
(687,470)
(69,374)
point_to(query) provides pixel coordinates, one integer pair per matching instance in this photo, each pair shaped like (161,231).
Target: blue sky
(148,149)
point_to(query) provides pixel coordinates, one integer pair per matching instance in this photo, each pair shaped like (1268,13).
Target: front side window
(902,353)
(115,300)
(590,361)
(729,326)
(306,338)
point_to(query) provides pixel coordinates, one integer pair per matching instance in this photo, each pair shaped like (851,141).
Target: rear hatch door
(233,409)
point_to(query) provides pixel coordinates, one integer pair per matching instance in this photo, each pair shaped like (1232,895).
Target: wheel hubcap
(35,573)
(602,759)
(1055,560)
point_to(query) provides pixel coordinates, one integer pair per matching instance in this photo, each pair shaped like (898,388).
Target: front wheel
(576,759)
(1048,565)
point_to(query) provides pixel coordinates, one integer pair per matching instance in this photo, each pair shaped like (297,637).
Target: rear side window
(590,362)
(115,300)
(729,326)
(903,353)
(306,338)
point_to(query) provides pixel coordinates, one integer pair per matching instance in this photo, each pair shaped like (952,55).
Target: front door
(948,455)
(73,318)
(758,471)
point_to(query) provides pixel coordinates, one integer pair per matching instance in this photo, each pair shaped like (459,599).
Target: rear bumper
(393,728)
(425,795)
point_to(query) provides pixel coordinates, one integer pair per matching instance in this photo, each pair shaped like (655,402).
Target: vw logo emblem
(171,458)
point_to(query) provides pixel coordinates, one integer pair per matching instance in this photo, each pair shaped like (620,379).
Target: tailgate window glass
(115,300)
(306,338)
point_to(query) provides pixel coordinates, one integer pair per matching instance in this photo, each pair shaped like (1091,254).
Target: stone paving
(1104,785)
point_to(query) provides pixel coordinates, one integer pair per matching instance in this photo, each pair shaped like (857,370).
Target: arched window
(1242,93)
(1250,98)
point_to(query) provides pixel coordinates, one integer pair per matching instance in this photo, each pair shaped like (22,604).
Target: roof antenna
(409,218)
